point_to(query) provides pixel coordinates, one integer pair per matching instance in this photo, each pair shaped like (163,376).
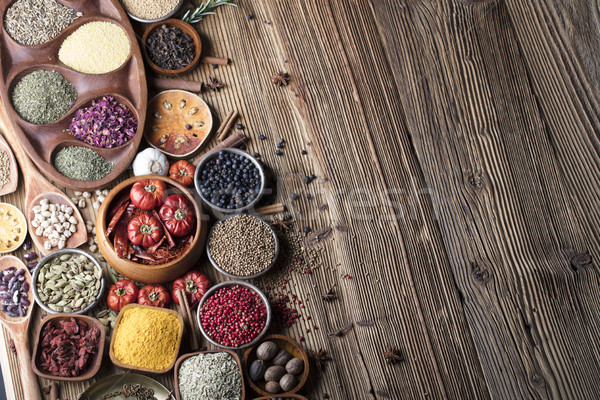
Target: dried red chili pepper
(117,217)
(154,295)
(148,193)
(183,172)
(120,294)
(177,215)
(144,230)
(165,230)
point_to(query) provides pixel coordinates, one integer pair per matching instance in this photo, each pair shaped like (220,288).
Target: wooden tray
(127,84)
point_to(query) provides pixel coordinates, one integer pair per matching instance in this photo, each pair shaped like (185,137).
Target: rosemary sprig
(205,9)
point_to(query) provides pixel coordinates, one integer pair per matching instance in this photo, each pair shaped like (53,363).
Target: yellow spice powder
(146,338)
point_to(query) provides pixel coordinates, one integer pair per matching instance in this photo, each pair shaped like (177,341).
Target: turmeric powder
(146,338)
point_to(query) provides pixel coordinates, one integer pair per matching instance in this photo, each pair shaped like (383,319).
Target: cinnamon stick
(272,209)
(234,140)
(223,130)
(174,84)
(214,60)
(187,316)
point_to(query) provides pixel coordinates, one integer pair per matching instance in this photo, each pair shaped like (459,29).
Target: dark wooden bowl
(151,273)
(96,360)
(288,396)
(186,28)
(284,343)
(127,84)
(183,357)
(136,368)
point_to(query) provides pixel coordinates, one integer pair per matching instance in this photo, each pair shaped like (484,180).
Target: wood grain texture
(456,148)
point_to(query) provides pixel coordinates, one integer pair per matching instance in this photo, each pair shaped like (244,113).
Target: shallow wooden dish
(148,370)
(96,360)
(127,84)
(183,357)
(167,129)
(284,343)
(151,273)
(186,28)
(12,165)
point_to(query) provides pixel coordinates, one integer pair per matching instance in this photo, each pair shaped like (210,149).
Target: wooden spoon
(18,331)
(11,186)
(37,188)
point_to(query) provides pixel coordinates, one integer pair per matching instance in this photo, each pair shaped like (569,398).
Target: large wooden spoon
(37,188)
(18,331)
(11,186)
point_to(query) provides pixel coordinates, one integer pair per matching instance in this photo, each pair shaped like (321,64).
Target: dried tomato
(194,284)
(183,172)
(144,230)
(178,215)
(121,293)
(154,295)
(148,193)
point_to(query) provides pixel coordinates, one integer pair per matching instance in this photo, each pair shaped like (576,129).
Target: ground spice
(4,168)
(242,245)
(33,22)
(97,47)
(43,97)
(211,376)
(82,164)
(146,338)
(149,9)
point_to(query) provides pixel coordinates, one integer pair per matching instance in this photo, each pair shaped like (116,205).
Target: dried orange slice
(178,123)
(13,228)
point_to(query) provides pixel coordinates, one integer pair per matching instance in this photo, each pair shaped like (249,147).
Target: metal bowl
(151,21)
(264,271)
(263,297)
(256,163)
(59,253)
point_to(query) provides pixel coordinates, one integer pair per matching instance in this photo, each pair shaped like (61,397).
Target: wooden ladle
(37,188)
(18,331)
(11,186)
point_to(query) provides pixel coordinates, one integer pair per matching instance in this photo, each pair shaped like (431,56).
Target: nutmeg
(266,351)
(288,382)
(295,366)
(257,370)
(282,358)
(272,387)
(274,373)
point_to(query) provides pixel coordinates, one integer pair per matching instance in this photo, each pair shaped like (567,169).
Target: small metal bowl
(151,21)
(212,155)
(264,271)
(263,297)
(51,257)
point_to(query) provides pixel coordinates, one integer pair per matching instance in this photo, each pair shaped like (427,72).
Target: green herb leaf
(205,9)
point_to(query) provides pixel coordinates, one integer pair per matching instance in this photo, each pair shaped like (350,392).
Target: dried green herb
(205,9)
(82,164)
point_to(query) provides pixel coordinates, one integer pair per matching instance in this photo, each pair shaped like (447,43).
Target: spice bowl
(187,29)
(94,362)
(283,343)
(233,355)
(131,307)
(270,229)
(151,21)
(62,276)
(287,396)
(230,284)
(222,210)
(156,273)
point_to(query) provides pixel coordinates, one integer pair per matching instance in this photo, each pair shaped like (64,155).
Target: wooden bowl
(186,28)
(141,369)
(183,357)
(284,343)
(127,84)
(287,396)
(151,273)
(96,360)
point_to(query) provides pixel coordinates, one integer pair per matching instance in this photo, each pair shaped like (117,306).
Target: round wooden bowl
(141,369)
(183,357)
(151,273)
(96,359)
(287,396)
(186,28)
(284,343)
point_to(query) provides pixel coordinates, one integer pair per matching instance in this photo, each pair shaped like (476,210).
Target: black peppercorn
(304,152)
(307,179)
(215,66)
(280,145)
(287,217)
(188,127)
(239,126)
(293,196)
(306,229)
(261,137)
(281,141)
(242,146)
(249,17)
(312,177)
(308,196)
(278,152)
(256,155)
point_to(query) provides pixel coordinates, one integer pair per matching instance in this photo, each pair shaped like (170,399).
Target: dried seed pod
(282,358)
(157,115)
(167,104)
(182,103)
(266,351)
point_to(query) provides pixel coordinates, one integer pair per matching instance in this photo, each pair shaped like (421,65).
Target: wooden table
(457,154)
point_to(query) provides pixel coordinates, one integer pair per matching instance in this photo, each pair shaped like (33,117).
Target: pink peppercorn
(233,316)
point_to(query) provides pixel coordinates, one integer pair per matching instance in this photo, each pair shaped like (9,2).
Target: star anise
(281,79)
(320,358)
(214,84)
(281,225)
(328,295)
(392,355)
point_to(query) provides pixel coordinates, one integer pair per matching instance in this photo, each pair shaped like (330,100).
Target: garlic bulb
(150,162)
